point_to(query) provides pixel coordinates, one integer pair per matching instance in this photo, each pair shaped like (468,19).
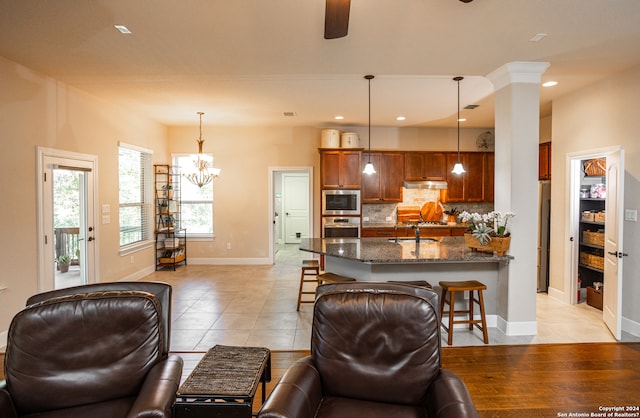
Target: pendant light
(201,175)
(368,168)
(458,168)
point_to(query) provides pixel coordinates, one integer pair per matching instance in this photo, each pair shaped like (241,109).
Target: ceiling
(247,63)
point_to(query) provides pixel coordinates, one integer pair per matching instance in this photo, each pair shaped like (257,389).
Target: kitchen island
(432,259)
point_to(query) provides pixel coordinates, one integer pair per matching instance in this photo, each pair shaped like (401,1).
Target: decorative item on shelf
(452,215)
(168,191)
(201,162)
(595,167)
(458,168)
(164,207)
(487,232)
(593,237)
(63,262)
(368,168)
(598,191)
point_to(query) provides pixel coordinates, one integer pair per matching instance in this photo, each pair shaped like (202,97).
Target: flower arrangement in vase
(488,232)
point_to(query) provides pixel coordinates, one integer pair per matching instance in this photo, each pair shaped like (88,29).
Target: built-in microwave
(340,202)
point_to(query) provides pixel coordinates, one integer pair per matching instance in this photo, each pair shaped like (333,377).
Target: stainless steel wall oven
(341,227)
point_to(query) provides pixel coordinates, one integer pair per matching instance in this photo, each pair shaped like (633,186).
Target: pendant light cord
(369,77)
(458,119)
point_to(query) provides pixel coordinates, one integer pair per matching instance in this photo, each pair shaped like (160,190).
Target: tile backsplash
(386,212)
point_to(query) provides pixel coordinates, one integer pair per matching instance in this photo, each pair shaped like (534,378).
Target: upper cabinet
(425,166)
(476,184)
(386,184)
(544,161)
(340,169)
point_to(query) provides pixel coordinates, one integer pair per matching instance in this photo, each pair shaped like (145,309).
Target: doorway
(290,206)
(66,225)
(595,219)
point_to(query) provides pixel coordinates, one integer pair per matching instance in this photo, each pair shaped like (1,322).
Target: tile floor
(256,306)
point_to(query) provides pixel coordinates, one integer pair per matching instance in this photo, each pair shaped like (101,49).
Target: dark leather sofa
(92,351)
(375,352)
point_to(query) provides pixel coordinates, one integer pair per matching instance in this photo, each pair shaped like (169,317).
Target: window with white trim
(135,197)
(196,203)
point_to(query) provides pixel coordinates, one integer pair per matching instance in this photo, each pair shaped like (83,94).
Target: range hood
(425,184)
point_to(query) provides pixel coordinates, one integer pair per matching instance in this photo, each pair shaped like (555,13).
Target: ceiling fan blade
(336,18)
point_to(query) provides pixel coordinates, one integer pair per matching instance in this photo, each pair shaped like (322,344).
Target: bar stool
(333,278)
(309,268)
(470,286)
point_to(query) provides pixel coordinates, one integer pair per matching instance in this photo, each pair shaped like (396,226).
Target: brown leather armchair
(92,351)
(375,352)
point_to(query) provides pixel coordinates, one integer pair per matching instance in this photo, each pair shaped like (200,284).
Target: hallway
(256,306)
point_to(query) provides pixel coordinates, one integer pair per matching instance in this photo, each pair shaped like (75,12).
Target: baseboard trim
(513,329)
(134,277)
(556,294)
(630,326)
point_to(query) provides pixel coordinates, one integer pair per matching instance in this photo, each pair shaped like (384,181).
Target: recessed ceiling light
(462,120)
(400,118)
(339,117)
(538,37)
(549,84)
(122,29)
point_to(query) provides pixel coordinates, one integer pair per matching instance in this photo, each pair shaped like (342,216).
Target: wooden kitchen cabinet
(489,176)
(386,184)
(408,232)
(384,232)
(425,166)
(340,169)
(544,161)
(476,184)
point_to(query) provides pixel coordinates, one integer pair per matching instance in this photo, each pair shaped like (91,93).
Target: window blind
(135,200)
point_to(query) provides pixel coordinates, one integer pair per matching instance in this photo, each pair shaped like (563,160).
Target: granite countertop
(385,251)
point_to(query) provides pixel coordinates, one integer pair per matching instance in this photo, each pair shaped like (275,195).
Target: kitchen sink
(405,239)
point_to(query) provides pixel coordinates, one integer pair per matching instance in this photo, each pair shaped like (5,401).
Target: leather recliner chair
(92,351)
(375,352)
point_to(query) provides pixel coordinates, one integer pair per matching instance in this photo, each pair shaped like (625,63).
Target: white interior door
(295,207)
(613,251)
(66,219)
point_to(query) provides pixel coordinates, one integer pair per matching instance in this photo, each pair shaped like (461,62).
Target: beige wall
(602,115)
(241,197)
(38,111)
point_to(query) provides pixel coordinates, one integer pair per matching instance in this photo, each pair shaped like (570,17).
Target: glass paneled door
(66,220)
(69,227)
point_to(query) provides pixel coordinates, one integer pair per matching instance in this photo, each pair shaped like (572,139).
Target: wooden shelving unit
(171,239)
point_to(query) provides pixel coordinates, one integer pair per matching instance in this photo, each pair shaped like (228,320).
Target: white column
(517,120)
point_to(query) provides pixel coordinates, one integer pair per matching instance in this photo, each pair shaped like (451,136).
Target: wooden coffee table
(224,383)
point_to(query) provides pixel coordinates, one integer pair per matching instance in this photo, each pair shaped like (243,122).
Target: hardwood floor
(549,380)
(540,380)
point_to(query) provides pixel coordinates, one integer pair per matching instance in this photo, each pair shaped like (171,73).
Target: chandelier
(203,173)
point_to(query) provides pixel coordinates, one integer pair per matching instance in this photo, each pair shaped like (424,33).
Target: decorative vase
(497,245)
